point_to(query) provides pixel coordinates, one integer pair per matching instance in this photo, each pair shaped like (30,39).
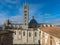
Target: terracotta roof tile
(55,31)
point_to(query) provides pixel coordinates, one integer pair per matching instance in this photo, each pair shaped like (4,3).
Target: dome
(33,23)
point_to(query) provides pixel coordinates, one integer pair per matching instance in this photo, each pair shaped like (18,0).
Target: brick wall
(6,38)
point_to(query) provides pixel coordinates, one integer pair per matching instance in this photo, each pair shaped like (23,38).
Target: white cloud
(14,19)
(3,18)
(54,21)
(32,11)
(17,19)
(48,18)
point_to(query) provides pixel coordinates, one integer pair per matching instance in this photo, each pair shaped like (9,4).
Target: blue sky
(44,11)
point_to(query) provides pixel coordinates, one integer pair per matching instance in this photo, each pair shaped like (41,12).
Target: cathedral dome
(33,23)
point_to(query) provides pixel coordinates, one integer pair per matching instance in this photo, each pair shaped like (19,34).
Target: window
(39,42)
(25,23)
(25,11)
(35,34)
(50,42)
(50,37)
(29,34)
(15,32)
(25,14)
(19,32)
(23,33)
(25,20)
(39,32)
(25,17)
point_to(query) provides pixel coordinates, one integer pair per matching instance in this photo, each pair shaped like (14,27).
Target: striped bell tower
(25,16)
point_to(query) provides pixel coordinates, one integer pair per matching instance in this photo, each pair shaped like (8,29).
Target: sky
(44,11)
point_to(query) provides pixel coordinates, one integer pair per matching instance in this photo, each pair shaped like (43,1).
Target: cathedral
(29,32)
(26,33)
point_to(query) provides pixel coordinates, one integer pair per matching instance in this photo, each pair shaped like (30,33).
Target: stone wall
(27,38)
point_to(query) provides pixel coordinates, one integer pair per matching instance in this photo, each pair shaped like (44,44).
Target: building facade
(26,37)
(26,33)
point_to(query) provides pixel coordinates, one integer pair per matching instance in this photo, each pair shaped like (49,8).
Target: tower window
(25,11)
(25,20)
(23,33)
(25,17)
(35,34)
(25,14)
(25,23)
(29,34)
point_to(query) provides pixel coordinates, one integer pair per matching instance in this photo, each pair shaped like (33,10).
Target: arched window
(23,33)
(50,42)
(25,14)
(29,34)
(25,23)
(50,37)
(25,11)
(25,17)
(35,34)
(19,32)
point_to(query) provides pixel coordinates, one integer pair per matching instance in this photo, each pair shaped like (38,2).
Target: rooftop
(54,31)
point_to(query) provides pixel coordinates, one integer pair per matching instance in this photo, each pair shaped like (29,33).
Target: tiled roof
(55,31)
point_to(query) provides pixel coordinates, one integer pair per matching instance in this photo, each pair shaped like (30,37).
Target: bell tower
(25,16)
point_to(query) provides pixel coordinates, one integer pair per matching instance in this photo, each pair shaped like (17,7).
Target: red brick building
(6,37)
